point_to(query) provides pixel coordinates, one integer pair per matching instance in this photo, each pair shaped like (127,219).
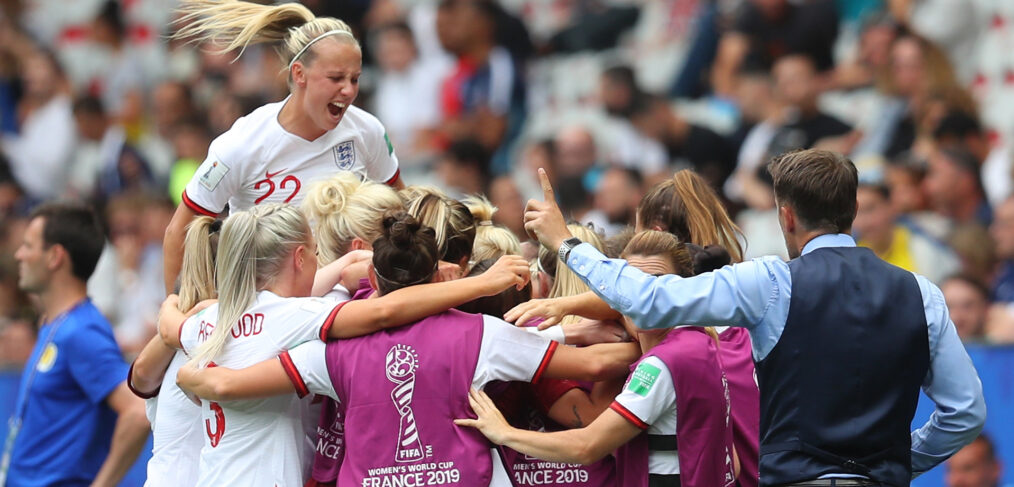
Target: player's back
(263,441)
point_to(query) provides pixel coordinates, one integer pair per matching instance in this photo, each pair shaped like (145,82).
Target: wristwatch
(566,247)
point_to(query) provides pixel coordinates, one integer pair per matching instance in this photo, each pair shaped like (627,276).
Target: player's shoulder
(364,120)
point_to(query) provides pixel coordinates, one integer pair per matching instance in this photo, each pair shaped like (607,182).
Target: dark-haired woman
(400,388)
(678,395)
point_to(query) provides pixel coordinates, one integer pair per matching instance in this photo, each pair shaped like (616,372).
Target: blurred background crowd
(610,96)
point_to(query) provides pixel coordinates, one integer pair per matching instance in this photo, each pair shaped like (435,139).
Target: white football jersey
(267,442)
(257,161)
(177,434)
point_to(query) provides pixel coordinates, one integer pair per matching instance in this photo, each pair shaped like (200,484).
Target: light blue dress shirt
(756,294)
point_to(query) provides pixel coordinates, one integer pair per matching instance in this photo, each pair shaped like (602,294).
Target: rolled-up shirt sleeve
(953,385)
(735,295)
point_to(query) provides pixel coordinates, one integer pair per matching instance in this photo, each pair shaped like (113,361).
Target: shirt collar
(829,240)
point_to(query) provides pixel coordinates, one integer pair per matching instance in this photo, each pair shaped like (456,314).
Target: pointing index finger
(547,188)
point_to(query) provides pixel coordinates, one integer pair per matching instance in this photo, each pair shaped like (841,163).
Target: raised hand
(543,219)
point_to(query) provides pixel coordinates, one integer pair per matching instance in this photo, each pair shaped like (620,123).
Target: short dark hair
(957,124)
(77,229)
(819,185)
(405,254)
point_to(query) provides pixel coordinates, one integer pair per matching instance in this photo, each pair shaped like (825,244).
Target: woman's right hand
(550,310)
(509,270)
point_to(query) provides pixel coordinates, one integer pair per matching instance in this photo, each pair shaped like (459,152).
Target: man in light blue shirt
(842,340)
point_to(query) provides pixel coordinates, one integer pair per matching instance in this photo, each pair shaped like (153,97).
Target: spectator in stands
(191,139)
(689,145)
(764,30)
(40,152)
(975,465)
(576,168)
(78,391)
(118,77)
(964,130)
(504,194)
(954,187)
(464,168)
(171,102)
(920,83)
(618,90)
(1002,231)
(968,301)
(484,95)
(803,124)
(105,163)
(952,25)
(617,195)
(876,227)
(408,88)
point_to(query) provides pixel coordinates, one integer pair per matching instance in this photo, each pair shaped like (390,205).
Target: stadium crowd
(99,103)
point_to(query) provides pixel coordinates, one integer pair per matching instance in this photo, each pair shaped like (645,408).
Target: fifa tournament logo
(401,364)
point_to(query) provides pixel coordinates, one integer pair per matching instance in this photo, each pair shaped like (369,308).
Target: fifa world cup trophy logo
(401,363)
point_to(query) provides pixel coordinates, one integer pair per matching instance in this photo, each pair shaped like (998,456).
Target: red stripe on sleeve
(329,321)
(290,370)
(545,362)
(629,416)
(196,207)
(397,174)
(130,385)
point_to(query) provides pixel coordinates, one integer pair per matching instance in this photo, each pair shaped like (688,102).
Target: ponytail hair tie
(485,223)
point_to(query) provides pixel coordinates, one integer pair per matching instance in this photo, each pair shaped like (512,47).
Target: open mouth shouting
(336,109)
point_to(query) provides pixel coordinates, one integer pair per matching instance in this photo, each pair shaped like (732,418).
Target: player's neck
(61,297)
(297,123)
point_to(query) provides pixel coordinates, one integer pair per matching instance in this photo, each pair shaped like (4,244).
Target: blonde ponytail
(252,249)
(491,241)
(237,24)
(343,208)
(197,275)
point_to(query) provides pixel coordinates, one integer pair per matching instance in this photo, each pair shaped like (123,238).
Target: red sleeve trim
(325,328)
(629,416)
(196,207)
(293,373)
(397,174)
(545,362)
(130,385)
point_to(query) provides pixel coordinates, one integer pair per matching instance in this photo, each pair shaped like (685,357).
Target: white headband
(315,39)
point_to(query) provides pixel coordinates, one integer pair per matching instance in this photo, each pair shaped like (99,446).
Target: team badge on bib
(344,155)
(47,359)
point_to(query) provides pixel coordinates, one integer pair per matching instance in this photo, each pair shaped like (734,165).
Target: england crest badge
(344,155)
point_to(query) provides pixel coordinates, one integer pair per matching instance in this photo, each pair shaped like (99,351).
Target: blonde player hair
(344,208)
(450,219)
(197,276)
(491,241)
(251,251)
(565,282)
(654,243)
(237,24)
